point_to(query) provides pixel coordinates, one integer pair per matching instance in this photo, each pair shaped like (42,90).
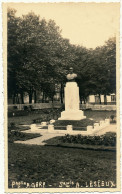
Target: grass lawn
(98,115)
(28,119)
(53,165)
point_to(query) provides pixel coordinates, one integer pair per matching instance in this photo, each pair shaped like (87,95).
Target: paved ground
(110,128)
(45,135)
(39,140)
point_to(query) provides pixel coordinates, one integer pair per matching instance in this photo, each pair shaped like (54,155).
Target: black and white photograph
(61,82)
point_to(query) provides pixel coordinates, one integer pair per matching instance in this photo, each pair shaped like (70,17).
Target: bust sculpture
(72,101)
(71,76)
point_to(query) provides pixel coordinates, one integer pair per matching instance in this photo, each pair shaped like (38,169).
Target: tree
(96,69)
(39,57)
(105,68)
(37,46)
(12,53)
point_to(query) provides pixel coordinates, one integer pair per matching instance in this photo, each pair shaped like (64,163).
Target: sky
(85,24)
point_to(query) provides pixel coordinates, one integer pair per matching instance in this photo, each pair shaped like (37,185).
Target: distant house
(94,99)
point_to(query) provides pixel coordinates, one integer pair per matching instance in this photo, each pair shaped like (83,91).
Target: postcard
(61,63)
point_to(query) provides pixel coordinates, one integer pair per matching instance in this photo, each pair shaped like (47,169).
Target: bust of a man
(71,76)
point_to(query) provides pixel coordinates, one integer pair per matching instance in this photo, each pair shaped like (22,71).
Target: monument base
(72,115)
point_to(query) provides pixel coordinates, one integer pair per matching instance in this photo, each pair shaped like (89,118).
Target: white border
(1,78)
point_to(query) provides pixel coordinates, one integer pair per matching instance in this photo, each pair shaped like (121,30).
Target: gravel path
(45,135)
(39,140)
(110,128)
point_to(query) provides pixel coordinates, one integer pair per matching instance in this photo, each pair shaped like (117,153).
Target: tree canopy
(39,57)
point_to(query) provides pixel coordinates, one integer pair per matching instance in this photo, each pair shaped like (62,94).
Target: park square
(62,95)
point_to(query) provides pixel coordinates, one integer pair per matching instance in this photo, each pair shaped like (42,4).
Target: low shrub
(82,123)
(15,107)
(112,117)
(17,113)
(114,121)
(17,135)
(12,126)
(25,107)
(108,139)
(39,120)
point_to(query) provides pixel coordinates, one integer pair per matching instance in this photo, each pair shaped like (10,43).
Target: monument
(72,101)
(72,120)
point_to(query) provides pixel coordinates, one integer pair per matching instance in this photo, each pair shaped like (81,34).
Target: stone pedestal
(72,115)
(72,103)
(69,128)
(43,124)
(33,127)
(50,128)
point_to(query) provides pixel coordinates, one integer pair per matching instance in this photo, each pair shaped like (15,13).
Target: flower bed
(17,135)
(108,139)
(81,123)
(14,133)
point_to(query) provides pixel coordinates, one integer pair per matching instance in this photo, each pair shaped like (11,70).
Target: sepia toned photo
(61,66)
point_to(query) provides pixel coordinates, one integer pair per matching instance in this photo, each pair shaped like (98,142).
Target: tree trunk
(35,97)
(17,99)
(43,99)
(14,98)
(61,93)
(22,97)
(84,100)
(105,99)
(52,99)
(100,98)
(30,98)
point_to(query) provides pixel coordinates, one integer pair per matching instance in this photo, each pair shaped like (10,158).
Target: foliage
(12,126)
(17,113)
(97,70)
(108,139)
(19,136)
(33,54)
(39,58)
(112,117)
(81,123)
(14,133)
